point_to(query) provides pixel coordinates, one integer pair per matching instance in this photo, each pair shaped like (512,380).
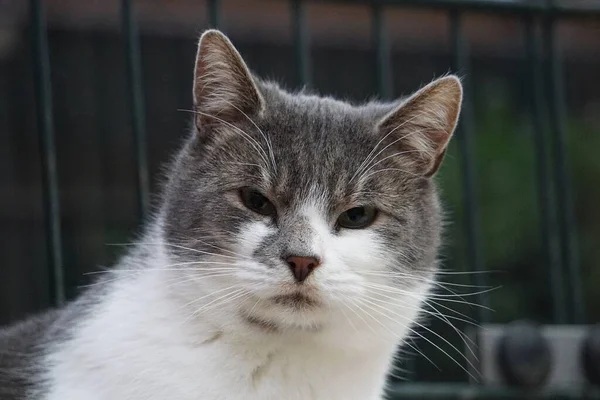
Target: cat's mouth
(296,300)
(295,309)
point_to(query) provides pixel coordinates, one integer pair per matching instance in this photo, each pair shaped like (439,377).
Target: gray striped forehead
(318,144)
(303,153)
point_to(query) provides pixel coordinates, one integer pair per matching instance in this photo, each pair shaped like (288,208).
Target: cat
(292,250)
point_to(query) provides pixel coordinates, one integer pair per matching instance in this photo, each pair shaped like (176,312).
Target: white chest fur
(139,345)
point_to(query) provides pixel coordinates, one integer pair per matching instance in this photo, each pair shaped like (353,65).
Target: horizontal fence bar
(464,136)
(434,390)
(548,222)
(564,190)
(578,8)
(45,126)
(136,98)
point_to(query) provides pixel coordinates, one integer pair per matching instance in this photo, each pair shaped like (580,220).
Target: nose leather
(301,266)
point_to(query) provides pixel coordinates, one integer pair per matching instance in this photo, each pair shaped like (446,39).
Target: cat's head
(293,211)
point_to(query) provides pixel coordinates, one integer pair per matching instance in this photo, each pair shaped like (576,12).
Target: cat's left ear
(224,90)
(422,125)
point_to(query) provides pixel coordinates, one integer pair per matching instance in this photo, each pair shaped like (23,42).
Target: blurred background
(520,183)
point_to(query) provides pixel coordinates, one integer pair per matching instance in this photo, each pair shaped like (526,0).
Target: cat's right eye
(257,202)
(357,217)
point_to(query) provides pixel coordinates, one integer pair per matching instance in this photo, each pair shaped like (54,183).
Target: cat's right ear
(224,90)
(422,125)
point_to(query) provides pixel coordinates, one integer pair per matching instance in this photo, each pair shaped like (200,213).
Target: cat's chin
(270,325)
(286,312)
(297,301)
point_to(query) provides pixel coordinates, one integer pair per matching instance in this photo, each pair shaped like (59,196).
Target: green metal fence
(557,229)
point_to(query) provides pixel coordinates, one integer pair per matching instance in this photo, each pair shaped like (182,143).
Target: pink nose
(301,266)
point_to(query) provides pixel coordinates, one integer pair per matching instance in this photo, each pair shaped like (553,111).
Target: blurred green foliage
(507,189)
(509,211)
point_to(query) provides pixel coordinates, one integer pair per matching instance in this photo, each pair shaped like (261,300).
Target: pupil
(257,200)
(356,213)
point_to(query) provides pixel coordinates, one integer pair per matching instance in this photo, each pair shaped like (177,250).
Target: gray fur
(24,346)
(21,350)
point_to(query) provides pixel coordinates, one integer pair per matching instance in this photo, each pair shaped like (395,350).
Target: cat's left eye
(357,217)
(257,202)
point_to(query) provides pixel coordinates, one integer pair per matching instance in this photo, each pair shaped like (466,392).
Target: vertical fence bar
(568,228)
(43,89)
(301,42)
(548,224)
(464,137)
(382,48)
(383,70)
(136,96)
(214,14)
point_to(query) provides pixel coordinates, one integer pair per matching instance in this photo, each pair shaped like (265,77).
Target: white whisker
(423,337)
(255,145)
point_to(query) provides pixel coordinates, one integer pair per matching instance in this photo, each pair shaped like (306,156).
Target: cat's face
(298,212)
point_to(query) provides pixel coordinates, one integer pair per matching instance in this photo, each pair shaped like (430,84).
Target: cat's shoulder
(22,348)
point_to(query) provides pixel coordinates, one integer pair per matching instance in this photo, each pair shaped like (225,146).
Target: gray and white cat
(293,249)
